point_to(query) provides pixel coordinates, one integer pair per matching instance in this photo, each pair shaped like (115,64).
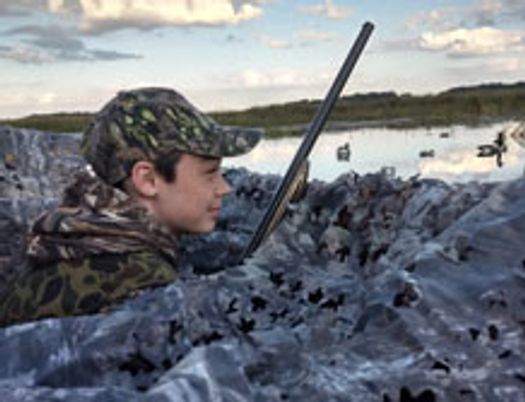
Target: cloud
(300,38)
(274,43)
(477,29)
(493,12)
(482,13)
(46,98)
(505,65)
(98,16)
(52,44)
(9,8)
(327,9)
(472,42)
(493,69)
(315,36)
(24,55)
(487,11)
(50,37)
(252,78)
(109,55)
(439,18)
(401,44)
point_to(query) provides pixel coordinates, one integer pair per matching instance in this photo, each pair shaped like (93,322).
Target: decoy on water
(344,152)
(429,153)
(496,149)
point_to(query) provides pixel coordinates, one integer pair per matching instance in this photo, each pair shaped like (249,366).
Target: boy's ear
(144,179)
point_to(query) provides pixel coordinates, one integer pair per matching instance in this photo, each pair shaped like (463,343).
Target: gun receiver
(298,166)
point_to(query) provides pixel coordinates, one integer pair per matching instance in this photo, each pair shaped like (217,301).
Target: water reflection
(465,165)
(455,154)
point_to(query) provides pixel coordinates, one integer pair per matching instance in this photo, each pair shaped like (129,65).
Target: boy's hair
(166,165)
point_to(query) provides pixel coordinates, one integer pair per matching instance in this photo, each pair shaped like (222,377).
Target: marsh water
(454,159)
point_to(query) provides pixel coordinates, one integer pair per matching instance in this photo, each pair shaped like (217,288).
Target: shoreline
(402,123)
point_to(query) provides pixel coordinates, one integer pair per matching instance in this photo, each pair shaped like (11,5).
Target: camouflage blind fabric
(396,307)
(142,123)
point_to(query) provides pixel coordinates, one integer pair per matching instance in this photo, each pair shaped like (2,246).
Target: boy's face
(191,204)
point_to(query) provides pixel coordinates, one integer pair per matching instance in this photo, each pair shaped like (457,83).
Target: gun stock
(285,190)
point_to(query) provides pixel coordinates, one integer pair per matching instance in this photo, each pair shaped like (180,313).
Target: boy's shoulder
(85,286)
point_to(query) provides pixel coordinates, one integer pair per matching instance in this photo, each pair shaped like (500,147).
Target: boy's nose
(224,187)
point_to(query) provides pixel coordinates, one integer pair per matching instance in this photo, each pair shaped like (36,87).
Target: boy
(157,163)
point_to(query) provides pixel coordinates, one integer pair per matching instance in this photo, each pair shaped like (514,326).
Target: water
(455,158)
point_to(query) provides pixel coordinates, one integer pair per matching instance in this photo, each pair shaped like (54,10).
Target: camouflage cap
(141,123)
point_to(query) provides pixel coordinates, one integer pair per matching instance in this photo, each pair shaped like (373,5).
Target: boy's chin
(199,231)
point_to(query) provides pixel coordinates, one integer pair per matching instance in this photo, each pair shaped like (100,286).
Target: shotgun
(296,174)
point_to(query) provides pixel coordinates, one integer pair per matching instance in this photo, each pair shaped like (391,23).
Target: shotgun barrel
(297,167)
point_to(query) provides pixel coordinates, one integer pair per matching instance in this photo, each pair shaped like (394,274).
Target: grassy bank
(472,105)
(55,122)
(465,105)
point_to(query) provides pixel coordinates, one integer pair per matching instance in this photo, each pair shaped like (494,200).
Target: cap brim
(234,141)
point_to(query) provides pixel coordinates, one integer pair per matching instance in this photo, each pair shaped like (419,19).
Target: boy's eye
(212,170)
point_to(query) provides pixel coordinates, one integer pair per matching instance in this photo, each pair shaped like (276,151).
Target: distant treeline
(55,122)
(465,105)
(462,105)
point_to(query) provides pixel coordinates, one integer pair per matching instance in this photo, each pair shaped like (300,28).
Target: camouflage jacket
(96,249)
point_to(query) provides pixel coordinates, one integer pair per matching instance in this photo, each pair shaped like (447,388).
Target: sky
(74,55)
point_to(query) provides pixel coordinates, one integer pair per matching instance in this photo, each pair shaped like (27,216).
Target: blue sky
(74,55)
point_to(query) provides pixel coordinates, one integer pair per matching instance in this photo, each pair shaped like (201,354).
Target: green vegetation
(471,106)
(464,105)
(55,122)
